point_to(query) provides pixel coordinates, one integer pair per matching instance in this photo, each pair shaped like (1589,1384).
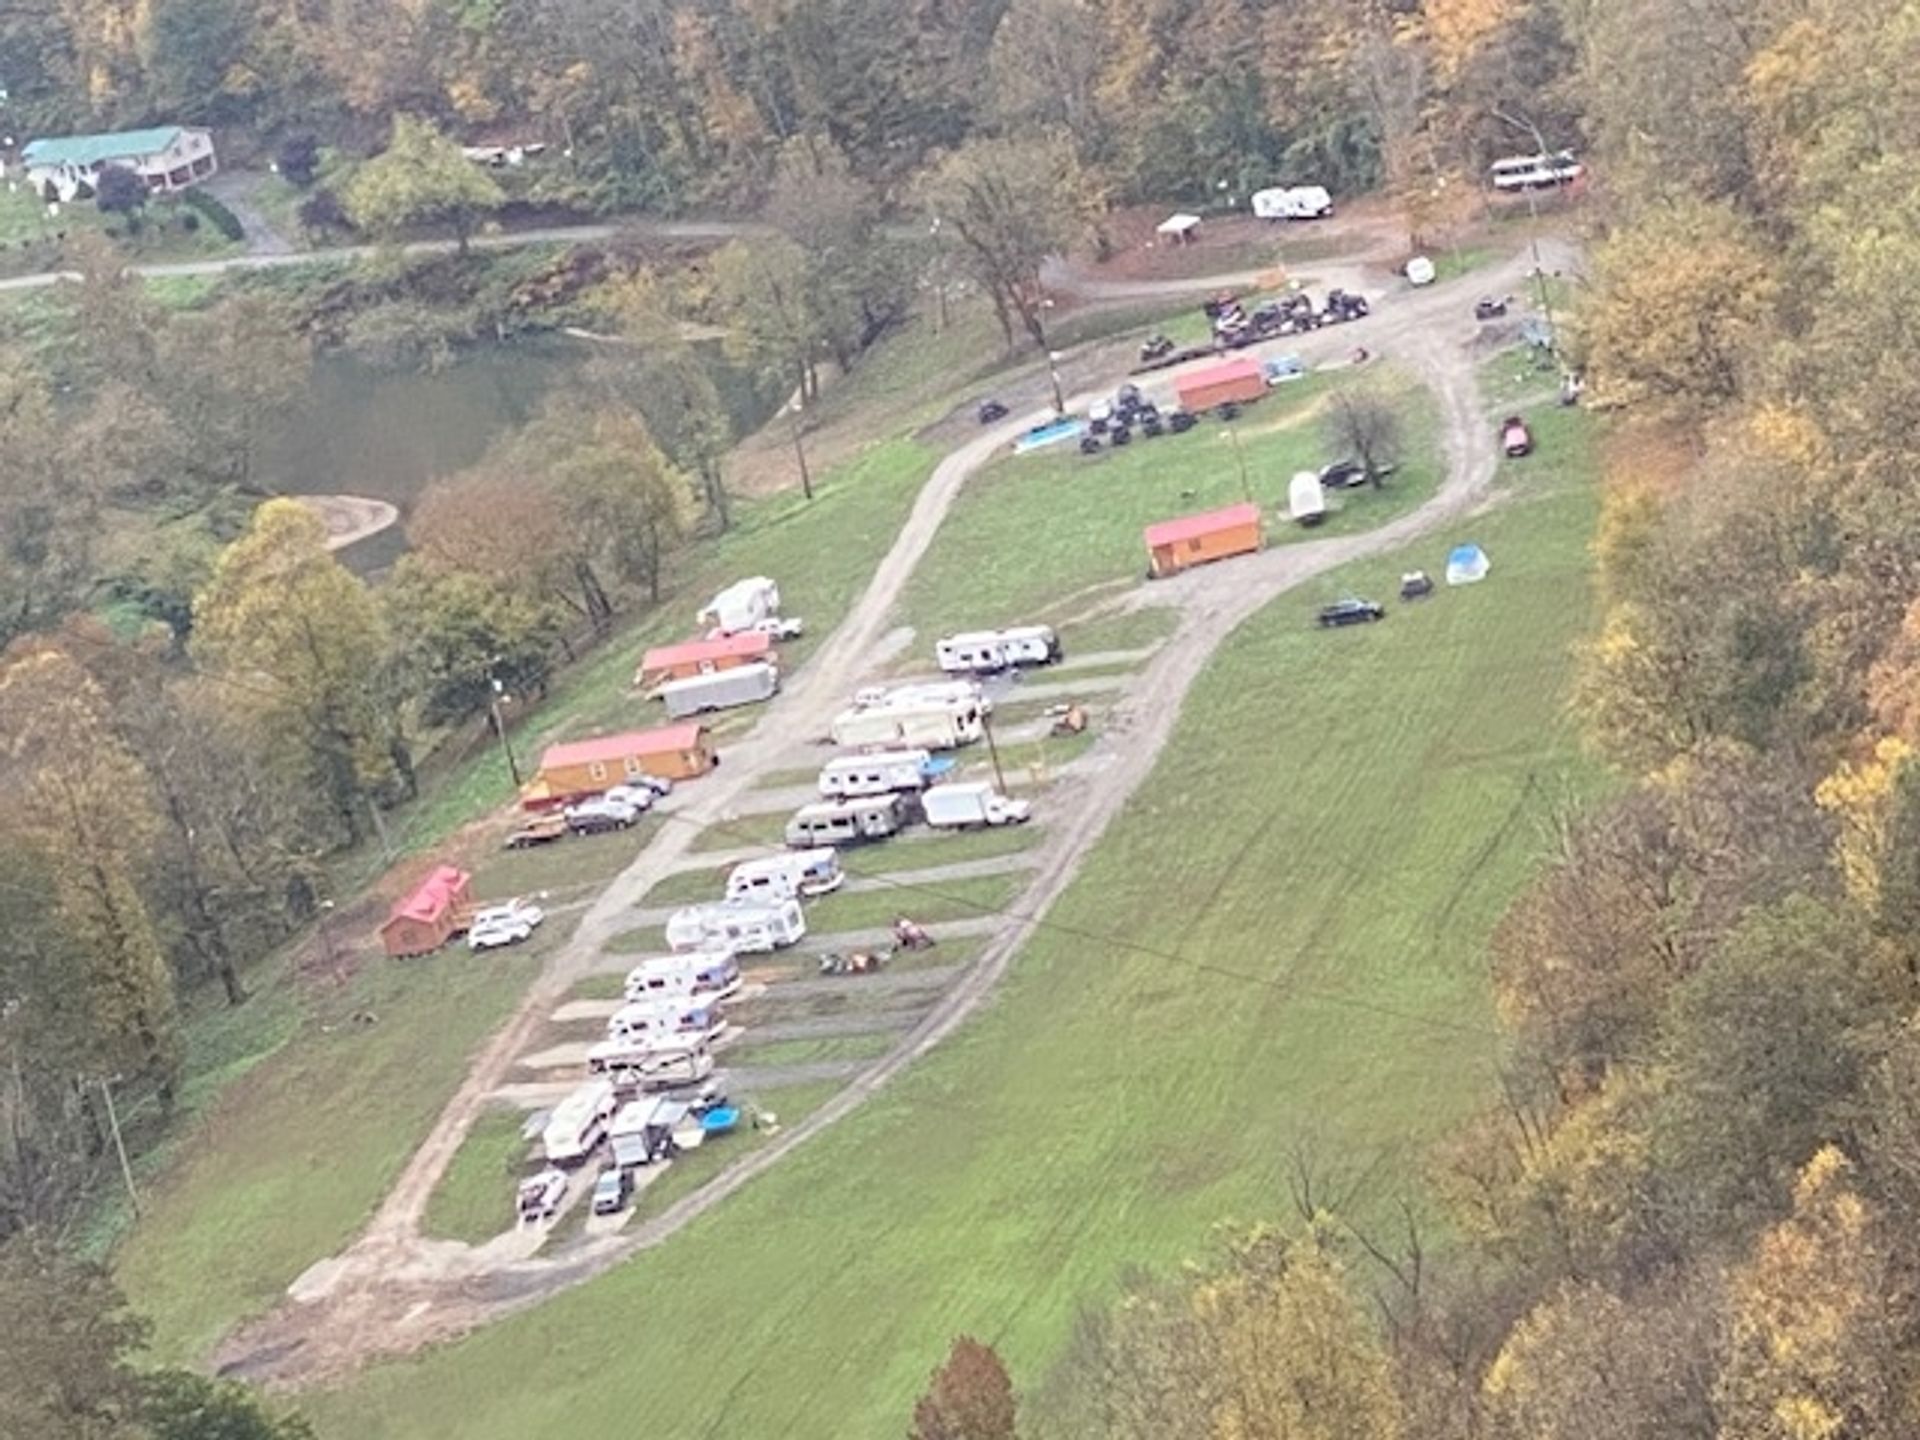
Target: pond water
(388,434)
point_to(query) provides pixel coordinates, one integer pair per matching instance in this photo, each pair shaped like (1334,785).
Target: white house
(168,158)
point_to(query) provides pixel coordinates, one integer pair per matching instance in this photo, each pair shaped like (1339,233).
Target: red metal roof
(1241,369)
(1192,527)
(605,748)
(747,645)
(429,900)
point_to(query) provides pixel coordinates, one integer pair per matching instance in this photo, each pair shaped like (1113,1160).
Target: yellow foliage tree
(1456,28)
(1859,794)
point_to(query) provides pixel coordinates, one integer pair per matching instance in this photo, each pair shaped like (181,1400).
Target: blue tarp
(1466,564)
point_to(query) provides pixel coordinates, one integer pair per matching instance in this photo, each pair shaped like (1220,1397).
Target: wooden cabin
(430,914)
(1176,545)
(703,657)
(1228,381)
(581,768)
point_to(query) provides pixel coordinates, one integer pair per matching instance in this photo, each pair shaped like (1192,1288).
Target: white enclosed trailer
(1306,499)
(578,1123)
(954,807)
(743,926)
(720,689)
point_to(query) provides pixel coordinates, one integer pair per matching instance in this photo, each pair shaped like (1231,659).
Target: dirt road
(394,1290)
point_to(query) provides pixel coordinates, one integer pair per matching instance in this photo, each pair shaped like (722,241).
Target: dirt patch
(350,518)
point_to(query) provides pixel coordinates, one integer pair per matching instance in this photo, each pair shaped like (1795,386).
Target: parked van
(667,1015)
(698,974)
(927,727)
(1534,172)
(990,650)
(745,926)
(578,1123)
(878,774)
(742,605)
(720,690)
(1306,500)
(784,877)
(847,822)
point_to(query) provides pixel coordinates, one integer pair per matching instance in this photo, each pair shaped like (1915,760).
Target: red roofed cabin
(587,767)
(1176,545)
(703,657)
(429,915)
(1237,381)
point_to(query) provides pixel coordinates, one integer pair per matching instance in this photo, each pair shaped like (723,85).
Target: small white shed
(1181,229)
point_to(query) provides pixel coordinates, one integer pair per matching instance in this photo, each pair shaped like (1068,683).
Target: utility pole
(799,451)
(993,752)
(1526,127)
(1053,355)
(1240,458)
(500,727)
(119,1145)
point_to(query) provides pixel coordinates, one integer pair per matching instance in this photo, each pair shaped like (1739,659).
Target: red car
(1515,438)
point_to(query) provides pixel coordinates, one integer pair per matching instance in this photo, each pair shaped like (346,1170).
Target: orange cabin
(1235,381)
(1176,545)
(430,914)
(702,657)
(588,767)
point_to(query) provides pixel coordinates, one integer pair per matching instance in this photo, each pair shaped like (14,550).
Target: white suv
(506,924)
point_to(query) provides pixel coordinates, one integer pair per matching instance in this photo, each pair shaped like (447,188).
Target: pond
(387,434)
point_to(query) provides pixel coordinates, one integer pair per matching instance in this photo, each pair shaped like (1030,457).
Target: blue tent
(1466,565)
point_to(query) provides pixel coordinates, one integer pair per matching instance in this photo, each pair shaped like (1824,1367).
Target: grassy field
(1272,942)
(1033,531)
(294,1153)
(30,237)
(945,900)
(474,1199)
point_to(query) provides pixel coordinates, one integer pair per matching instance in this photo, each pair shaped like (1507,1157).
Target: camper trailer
(959,694)
(642,1131)
(989,650)
(1306,500)
(847,822)
(786,877)
(959,807)
(747,926)
(926,727)
(742,605)
(698,975)
(721,690)
(578,1123)
(878,774)
(1534,172)
(1294,202)
(652,1061)
(681,1015)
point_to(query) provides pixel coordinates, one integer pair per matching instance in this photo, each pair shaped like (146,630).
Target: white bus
(1534,172)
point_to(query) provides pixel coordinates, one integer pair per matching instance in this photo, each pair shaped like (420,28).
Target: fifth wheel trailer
(743,925)
(928,727)
(578,1123)
(742,605)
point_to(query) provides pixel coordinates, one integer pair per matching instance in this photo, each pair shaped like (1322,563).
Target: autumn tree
(764,286)
(421,179)
(300,646)
(70,1342)
(183,1405)
(1013,203)
(970,1397)
(1366,426)
(46,510)
(457,634)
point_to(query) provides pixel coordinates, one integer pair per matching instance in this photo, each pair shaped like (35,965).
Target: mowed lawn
(1283,936)
(1031,533)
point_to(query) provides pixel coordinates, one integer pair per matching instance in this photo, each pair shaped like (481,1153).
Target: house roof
(603,748)
(92,149)
(747,645)
(429,900)
(1192,527)
(1242,369)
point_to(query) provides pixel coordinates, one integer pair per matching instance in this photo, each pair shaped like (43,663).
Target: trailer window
(596,771)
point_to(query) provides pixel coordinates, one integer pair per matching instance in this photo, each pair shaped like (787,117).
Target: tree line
(1690,1210)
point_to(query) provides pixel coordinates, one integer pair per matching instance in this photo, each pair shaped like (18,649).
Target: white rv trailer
(878,774)
(578,1123)
(720,689)
(956,807)
(957,693)
(987,650)
(696,975)
(742,605)
(753,926)
(652,1061)
(642,1131)
(1292,202)
(1534,172)
(1306,499)
(698,1017)
(847,822)
(926,727)
(782,877)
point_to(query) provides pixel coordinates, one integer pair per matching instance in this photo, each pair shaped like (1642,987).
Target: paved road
(393,1290)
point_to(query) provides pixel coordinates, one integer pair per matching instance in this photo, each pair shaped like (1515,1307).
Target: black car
(1228,411)
(1155,347)
(1415,585)
(595,822)
(1180,421)
(1343,475)
(1151,425)
(1122,435)
(1489,309)
(990,411)
(1351,612)
(1089,444)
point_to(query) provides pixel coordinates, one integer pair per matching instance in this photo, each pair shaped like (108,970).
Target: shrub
(217,215)
(299,159)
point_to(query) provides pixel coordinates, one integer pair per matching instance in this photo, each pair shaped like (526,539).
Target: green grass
(647,939)
(939,900)
(1128,630)
(283,1167)
(569,863)
(942,850)
(30,238)
(684,887)
(785,779)
(813,1051)
(1297,932)
(1030,532)
(769,828)
(474,1199)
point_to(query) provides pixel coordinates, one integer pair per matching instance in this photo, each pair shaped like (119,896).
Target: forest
(1692,1211)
